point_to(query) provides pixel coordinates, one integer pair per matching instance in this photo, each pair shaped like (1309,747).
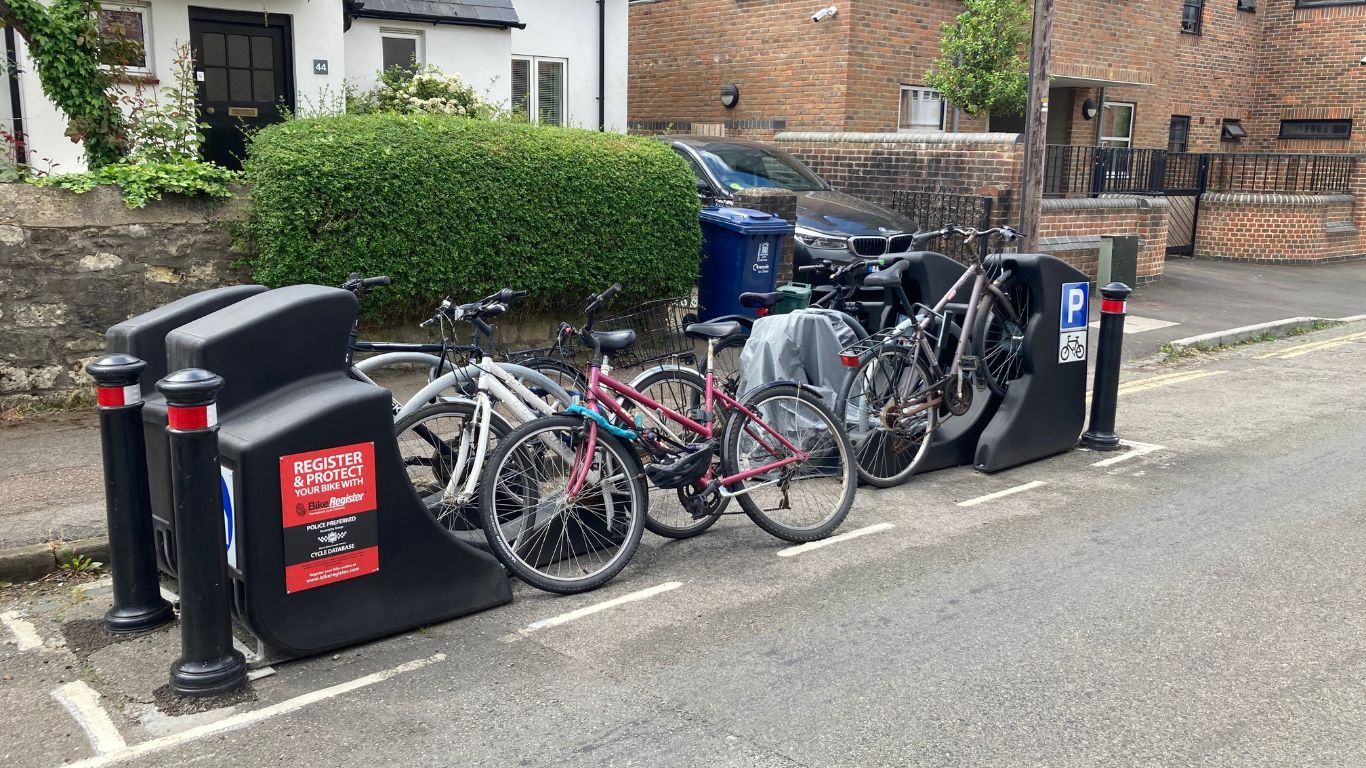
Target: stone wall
(1071,229)
(73,265)
(1277,228)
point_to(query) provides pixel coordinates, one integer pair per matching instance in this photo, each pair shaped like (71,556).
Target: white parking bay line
(256,715)
(1000,494)
(26,636)
(83,702)
(854,534)
(598,607)
(1136,449)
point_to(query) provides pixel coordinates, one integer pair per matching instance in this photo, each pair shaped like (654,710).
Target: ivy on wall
(64,41)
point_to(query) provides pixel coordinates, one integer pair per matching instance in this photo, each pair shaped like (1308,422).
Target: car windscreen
(739,167)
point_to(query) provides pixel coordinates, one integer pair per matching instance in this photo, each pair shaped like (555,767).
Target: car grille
(900,243)
(868,246)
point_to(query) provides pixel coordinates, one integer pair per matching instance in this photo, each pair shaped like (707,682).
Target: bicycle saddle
(757,299)
(716,330)
(887,277)
(614,341)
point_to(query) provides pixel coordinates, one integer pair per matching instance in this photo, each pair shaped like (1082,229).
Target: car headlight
(813,239)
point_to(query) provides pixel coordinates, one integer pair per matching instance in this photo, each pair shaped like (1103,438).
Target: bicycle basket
(659,332)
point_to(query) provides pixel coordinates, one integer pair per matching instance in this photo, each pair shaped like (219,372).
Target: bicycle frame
(601,386)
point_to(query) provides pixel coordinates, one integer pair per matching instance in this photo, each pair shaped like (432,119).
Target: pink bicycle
(564,500)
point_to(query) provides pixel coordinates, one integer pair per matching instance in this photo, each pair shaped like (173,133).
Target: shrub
(424,91)
(451,205)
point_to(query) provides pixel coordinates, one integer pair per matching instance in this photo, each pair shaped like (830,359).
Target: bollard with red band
(138,604)
(1105,394)
(208,663)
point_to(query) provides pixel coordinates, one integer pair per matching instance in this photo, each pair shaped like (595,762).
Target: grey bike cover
(803,346)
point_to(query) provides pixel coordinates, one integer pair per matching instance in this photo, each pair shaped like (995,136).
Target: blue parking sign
(1075,313)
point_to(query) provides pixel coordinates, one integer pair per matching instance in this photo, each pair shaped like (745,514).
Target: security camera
(1363,61)
(826,13)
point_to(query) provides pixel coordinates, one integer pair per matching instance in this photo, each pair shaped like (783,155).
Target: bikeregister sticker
(1072,319)
(328,502)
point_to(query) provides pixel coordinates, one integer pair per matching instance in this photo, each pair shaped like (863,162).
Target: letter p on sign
(1074,306)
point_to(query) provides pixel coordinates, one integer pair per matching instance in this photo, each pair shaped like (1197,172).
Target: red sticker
(328,501)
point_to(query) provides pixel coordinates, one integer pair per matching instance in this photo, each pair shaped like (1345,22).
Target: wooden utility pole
(1036,125)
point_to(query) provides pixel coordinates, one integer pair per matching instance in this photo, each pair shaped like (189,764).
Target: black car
(830,224)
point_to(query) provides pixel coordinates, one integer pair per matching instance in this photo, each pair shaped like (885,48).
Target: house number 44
(320,66)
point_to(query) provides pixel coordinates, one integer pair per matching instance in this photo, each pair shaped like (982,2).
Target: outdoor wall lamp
(730,95)
(1089,109)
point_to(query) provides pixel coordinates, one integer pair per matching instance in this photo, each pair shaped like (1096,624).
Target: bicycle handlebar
(596,301)
(357,284)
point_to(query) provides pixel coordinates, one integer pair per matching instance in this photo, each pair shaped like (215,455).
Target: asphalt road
(1199,604)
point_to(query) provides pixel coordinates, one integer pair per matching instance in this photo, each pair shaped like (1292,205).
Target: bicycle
(905,383)
(544,516)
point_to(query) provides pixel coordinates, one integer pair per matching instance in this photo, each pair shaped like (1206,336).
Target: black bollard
(138,604)
(208,664)
(1105,394)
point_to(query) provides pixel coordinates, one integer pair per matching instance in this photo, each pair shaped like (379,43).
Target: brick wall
(1071,230)
(1310,70)
(1277,228)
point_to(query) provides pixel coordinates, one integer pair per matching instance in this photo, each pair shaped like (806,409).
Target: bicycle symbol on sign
(1072,349)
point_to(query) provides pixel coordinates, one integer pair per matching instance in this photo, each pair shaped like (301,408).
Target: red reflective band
(192,417)
(1112,306)
(117,397)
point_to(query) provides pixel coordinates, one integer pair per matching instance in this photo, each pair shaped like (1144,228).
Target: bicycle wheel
(804,500)
(681,390)
(888,446)
(726,362)
(998,342)
(430,441)
(550,541)
(567,376)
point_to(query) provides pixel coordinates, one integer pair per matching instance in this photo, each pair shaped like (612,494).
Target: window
(922,109)
(125,38)
(740,166)
(1307,3)
(1191,11)
(541,97)
(402,49)
(1336,130)
(1178,134)
(1117,124)
(1250,6)
(1232,130)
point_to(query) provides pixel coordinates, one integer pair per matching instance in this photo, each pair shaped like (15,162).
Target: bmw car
(830,224)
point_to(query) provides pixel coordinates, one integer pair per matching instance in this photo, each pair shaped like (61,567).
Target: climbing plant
(66,45)
(982,66)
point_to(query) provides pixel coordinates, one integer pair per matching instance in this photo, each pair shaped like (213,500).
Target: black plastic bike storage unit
(144,337)
(329,545)
(1044,410)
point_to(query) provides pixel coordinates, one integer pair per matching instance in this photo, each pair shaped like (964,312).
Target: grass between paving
(1171,352)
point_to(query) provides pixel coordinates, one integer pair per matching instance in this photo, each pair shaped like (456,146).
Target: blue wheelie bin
(740,252)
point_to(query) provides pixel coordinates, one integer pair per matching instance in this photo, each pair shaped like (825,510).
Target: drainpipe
(16,106)
(1100,115)
(602,65)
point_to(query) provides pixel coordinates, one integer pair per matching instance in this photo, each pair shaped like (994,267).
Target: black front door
(244,67)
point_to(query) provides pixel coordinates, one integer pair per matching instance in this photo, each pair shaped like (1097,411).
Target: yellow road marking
(1154,382)
(1313,346)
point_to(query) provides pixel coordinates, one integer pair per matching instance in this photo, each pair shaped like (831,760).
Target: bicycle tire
(998,343)
(571,379)
(681,389)
(886,457)
(829,460)
(726,362)
(504,495)
(430,485)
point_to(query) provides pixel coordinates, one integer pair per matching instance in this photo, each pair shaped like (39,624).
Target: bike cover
(802,346)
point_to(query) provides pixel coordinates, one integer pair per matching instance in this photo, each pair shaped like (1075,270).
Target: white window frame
(533,98)
(419,44)
(1120,141)
(145,11)
(943,110)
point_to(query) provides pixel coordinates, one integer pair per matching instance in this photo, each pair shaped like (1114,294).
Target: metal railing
(1094,171)
(931,209)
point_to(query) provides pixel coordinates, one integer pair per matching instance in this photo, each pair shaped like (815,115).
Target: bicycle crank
(957,395)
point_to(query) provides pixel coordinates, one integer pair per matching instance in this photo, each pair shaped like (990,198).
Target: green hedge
(466,207)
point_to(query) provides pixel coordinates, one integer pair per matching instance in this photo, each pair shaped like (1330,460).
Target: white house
(562,60)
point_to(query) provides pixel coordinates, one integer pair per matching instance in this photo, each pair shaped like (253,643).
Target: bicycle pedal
(968,363)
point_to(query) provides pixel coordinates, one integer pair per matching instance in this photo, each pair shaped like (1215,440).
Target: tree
(982,66)
(65,43)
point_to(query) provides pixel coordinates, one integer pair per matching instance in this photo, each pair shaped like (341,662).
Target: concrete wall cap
(1277,198)
(40,207)
(929,137)
(1094,203)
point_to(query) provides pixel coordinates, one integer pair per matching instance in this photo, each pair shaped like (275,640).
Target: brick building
(1197,75)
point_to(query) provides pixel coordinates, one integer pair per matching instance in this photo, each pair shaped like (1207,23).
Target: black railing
(1093,171)
(933,210)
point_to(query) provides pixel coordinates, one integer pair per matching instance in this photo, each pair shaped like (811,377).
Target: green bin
(795,296)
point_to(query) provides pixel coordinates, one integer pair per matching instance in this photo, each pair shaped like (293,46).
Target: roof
(478,13)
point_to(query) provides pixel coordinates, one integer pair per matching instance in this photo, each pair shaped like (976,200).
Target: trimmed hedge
(447,205)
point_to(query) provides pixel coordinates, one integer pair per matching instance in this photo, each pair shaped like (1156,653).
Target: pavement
(1196,599)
